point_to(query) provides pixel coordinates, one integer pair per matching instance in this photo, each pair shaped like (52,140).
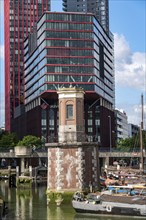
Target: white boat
(117,200)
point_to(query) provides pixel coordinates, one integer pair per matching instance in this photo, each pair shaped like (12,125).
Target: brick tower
(71,115)
(72,162)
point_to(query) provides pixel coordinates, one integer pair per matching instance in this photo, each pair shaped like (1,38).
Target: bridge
(104,156)
(114,154)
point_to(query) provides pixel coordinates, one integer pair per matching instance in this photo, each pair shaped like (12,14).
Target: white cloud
(2,51)
(129,66)
(130,79)
(135,114)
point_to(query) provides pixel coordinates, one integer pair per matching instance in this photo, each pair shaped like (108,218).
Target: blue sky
(127,22)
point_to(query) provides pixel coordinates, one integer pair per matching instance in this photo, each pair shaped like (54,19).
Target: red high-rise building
(20,17)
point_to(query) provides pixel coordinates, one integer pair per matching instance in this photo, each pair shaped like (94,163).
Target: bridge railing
(117,150)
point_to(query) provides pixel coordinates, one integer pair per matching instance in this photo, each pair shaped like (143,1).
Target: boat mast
(141,136)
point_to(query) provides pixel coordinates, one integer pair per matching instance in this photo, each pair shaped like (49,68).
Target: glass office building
(69,49)
(100,8)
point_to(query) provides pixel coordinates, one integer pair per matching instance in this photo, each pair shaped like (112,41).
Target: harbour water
(31,205)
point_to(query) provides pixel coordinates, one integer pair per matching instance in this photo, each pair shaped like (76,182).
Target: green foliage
(130,144)
(2,132)
(30,141)
(54,195)
(50,194)
(24,193)
(24,182)
(8,140)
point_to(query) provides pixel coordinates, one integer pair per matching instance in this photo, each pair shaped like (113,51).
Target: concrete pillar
(30,171)
(105,162)
(17,171)
(22,165)
(9,171)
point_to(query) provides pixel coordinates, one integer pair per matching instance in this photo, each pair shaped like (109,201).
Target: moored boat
(119,200)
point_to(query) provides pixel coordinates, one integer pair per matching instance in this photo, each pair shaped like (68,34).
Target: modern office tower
(100,8)
(20,17)
(71,49)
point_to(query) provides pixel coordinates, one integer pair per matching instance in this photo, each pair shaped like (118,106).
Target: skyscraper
(100,8)
(20,17)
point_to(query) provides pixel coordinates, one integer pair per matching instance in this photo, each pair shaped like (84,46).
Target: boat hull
(109,209)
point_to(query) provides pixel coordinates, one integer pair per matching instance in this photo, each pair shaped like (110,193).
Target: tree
(8,140)
(30,141)
(2,132)
(133,143)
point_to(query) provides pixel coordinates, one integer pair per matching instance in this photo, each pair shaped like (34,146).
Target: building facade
(100,8)
(70,49)
(20,17)
(133,130)
(47,51)
(121,125)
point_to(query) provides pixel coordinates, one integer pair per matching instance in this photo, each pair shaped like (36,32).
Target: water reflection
(31,204)
(23,197)
(54,213)
(24,204)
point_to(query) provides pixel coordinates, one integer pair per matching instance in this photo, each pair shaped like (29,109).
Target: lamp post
(110,139)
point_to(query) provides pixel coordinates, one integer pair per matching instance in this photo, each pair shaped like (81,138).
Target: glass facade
(71,49)
(100,8)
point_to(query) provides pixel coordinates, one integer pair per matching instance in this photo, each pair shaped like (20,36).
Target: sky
(128,24)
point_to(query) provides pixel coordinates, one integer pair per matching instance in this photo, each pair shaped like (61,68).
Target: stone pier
(72,166)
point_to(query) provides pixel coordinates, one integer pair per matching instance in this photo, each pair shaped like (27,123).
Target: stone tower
(72,162)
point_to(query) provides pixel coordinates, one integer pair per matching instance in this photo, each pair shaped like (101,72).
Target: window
(69,111)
